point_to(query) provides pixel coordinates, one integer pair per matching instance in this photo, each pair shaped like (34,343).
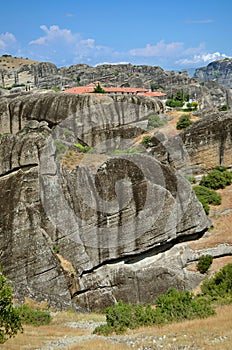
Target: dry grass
(99,345)
(221,217)
(71,316)
(36,337)
(213,333)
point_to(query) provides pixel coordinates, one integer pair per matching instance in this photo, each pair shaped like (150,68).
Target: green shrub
(103,329)
(173,306)
(207,195)
(223,108)
(10,321)
(60,148)
(191,179)
(146,141)
(219,286)
(179,305)
(183,122)
(204,263)
(217,179)
(82,148)
(98,89)
(154,121)
(32,316)
(56,249)
(174,103)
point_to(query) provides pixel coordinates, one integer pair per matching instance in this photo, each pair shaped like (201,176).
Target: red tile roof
(154,94)
(129,90)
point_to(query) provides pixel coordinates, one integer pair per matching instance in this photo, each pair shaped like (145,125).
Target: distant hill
(219,71)
(20,74)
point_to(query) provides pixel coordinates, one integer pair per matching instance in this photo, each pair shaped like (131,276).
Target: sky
(175,35)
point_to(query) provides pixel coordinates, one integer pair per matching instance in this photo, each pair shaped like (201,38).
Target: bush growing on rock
(146,140)
(204,263)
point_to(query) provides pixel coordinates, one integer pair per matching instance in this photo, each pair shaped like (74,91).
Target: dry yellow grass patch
(99,345)
(213,333)
(221,217)
(35,337)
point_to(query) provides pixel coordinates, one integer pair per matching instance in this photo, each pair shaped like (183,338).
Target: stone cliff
(83,217)
(45,75)
(219,71)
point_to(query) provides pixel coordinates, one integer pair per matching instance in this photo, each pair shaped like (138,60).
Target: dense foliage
(183,122)
(98,89)
(219,286)
(173,306)
(178,100)
(10,322)
(207,196)
(204,263)
(154,121)
(146,140)
(217,178)
(33,316)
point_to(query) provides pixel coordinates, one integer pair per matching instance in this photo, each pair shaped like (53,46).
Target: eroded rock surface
(104,212)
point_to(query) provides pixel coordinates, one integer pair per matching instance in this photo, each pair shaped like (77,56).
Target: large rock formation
(89,226)
(219,71)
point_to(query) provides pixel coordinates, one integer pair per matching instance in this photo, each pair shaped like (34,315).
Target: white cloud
(64,46)
(6,40)
(53,34)
(202,58)
(159,49)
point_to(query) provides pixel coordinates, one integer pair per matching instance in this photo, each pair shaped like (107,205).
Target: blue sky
(171,34)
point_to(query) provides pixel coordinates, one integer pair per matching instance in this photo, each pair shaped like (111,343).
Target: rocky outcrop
(208,142)
(219,71)
(105,211)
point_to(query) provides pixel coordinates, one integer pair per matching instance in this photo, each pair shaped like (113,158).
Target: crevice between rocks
(159,248)
(16,169)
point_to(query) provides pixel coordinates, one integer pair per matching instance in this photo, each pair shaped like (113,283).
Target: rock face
(44,75)
(89,226)
(208,142)
(219,71)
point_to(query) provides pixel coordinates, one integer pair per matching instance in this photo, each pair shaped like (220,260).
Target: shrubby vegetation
(98,89)
(224,108)
(178,100)
(207,196)
(81,148)
(12,318)
(172,306)
(219,287)
(33,316)
(154,121)
(10,321)
(217,178)
(204,263)
(184,121)
(146,140)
